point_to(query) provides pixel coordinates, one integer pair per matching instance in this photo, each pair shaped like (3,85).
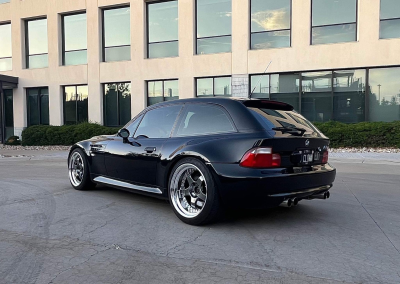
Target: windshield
(283,123)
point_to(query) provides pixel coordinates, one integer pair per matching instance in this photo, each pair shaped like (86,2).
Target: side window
(203,119)
(132,127)
(158,123)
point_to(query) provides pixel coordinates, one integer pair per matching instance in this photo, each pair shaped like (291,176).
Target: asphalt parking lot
(50,233)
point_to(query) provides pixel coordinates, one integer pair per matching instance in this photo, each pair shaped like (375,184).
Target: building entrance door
(6,115)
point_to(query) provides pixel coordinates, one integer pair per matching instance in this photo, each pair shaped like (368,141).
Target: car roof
(236,107)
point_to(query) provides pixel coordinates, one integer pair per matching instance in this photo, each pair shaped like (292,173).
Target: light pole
(379,86)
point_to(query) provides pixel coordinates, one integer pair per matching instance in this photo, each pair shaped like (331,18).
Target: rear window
(285,123)
(204,119)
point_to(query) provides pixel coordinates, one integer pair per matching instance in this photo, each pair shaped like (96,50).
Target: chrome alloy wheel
(76,169)
(188,190)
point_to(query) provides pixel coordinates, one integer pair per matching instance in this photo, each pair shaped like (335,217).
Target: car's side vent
(97,148)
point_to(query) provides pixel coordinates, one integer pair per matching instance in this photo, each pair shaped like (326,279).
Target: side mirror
(124,133)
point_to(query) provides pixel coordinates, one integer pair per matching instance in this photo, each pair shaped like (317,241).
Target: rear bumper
(240,186)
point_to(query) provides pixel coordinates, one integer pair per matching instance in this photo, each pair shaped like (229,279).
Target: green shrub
(13,140)
(363,134)
(45,135)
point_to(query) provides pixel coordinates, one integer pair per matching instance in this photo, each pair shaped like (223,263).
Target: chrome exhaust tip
(295,201)
(324,195)
(286,203)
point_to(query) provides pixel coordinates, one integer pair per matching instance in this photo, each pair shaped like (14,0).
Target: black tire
(86,183)
(211,209)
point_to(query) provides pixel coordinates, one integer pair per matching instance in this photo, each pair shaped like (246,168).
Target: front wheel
(78,171)
(193,193)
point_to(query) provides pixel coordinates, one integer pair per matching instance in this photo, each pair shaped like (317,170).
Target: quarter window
(162,26)
(270,23)
(159,91)
(204,119)
(74,39)
(116,34)
(213,26)
(75,104)
(214,86)
(158,123)
(117,104)
(5,47)
(334,21)
(36,43)
(38,106)
(390,19)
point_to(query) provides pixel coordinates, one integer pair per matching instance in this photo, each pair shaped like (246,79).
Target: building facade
(63,62)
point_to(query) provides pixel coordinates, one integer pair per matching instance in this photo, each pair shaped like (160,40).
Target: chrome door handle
(150,149)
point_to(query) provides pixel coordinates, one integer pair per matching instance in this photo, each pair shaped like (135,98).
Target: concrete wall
(368,51)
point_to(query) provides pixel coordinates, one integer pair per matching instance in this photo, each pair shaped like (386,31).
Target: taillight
(325,157)
(260,158)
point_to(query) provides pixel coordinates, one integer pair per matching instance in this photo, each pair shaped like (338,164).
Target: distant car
(206,153)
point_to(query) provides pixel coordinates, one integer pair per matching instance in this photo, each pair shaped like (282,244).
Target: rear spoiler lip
(268,104)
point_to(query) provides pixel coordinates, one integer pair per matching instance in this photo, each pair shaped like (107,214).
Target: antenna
(259,80)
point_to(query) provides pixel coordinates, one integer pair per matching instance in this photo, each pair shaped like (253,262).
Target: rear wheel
(78,171)
(193,193)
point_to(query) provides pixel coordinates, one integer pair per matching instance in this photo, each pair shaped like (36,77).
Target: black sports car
(206,153)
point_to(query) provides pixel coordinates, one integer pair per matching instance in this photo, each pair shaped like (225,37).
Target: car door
(135,160)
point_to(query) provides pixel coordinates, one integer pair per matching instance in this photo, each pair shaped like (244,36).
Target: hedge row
(45,135)
(363,134)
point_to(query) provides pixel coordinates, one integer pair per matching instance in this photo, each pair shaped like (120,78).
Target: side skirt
(117,183)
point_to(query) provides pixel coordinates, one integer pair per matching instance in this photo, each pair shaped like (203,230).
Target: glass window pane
(329,12)
(38,61)
(37,37)
(82,103)
(4,1)
(164,49)
(163,21)
(214,18)
(70,105)
(222,86)
(285,83)
(117,27)
(204,119)
(171,90)
(75,57)
(8,107)
(44,107)
(158,123)
(33,107)
(214,45)
(5,64)
(111,108)
(317,81)
(122,53)
(390,9)
(260,86)
(75,32)
(205,87)
(124,92)
(334,34)
(349,80)
(317,106)
(269,15)
(384,96)
(270,40)
(389,29)
(154,92)
(5,39)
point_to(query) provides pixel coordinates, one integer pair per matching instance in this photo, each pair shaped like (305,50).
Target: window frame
(39,104)
(63,51)
(196,31)
(213,84)
(184,110)
(118,106)
(163,89)
(280,30)
(148,30)
(26,36)
(332,25)
(76,102)
(385,20)
(9,57)
(103,34)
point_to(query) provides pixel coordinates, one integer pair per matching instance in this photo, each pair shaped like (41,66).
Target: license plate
(307,156)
